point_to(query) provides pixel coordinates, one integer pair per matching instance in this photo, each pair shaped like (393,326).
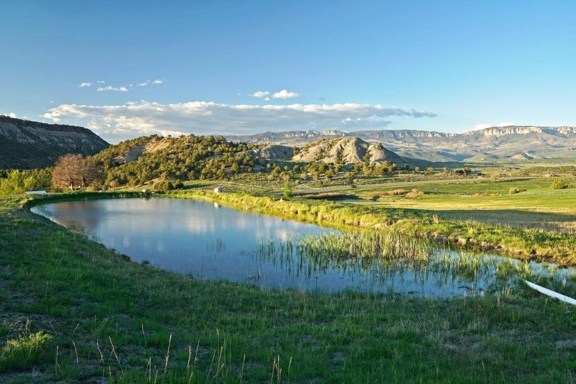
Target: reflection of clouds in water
(199,225)
(191,237)
(283,234)
(243,223)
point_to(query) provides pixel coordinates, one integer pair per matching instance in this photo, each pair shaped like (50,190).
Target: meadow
(73,311)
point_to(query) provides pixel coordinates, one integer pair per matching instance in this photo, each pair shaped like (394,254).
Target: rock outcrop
(29,144)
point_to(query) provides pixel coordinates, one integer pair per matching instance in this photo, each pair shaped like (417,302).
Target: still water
(205,241)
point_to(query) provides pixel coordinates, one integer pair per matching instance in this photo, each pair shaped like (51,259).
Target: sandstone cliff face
(28,144)
(515,143)
(273,152)
(349,150)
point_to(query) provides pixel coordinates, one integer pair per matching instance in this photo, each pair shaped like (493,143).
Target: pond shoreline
(114,320)
(210,242)
(522,244)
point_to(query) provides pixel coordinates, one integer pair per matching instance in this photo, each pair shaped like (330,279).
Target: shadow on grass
(511,217)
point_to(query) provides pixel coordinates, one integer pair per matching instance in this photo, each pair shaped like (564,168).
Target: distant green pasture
(535,205)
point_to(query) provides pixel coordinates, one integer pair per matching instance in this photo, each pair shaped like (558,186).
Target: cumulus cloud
(282,95)
(87,84)
(118,122)
(262,95)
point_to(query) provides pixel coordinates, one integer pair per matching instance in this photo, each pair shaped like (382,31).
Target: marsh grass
(444,228)
(379,245)
(390,256)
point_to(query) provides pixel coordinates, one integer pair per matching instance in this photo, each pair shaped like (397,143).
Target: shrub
(163,185)
(414,193)
(559,184)
(513,190)
(20,181)
(397,192)
(287,190)
(178,184)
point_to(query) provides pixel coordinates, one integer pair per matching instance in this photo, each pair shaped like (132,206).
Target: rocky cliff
(513,143)
(29,144)
(348,150)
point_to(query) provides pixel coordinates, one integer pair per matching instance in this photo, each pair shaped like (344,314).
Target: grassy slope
(109,316)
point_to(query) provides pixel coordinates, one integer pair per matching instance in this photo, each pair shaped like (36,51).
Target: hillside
(149,158)
(513,143)
(153,160)
(349,150)
(29,144)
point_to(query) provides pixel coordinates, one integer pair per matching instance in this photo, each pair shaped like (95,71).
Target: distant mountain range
(29,144)
(491,144)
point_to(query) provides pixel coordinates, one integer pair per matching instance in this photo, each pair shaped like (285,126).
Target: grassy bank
(80,312)
(522,243)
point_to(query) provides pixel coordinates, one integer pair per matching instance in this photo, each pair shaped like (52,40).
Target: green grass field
(535,205)
(74,311)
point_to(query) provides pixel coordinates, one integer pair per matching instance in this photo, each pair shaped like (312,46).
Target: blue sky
(131,68)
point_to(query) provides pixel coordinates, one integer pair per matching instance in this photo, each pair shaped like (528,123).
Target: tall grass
(380,245)
(91,301)
(23,352)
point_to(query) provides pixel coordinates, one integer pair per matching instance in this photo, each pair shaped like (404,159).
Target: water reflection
(211,242)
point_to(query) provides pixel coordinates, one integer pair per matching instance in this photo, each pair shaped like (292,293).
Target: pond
(207,241)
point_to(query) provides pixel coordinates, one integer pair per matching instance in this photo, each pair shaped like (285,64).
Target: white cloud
(506,124)
(109,88)
(284,94)
(262,95)
(148,82)
(121,88)
(118,122)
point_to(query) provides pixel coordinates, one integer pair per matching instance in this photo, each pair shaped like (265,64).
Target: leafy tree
(429,171)
(350,176)
(19,181)
(287,190)
(75,171)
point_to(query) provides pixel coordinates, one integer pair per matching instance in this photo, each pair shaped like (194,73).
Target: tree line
(166,162)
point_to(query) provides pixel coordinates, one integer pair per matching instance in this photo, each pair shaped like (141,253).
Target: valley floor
(104,318)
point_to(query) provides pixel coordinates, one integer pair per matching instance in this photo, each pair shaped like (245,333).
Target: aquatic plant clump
(389,245)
